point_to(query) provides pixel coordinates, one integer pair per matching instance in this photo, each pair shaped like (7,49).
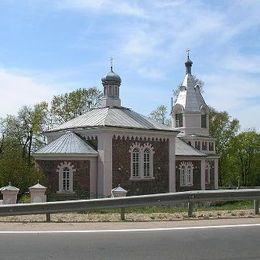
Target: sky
(50,47)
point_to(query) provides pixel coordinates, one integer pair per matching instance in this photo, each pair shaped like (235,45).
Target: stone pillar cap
(9,188)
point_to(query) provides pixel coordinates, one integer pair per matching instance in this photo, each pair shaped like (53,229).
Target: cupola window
(179,120)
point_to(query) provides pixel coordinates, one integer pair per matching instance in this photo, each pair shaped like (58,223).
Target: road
(205,242)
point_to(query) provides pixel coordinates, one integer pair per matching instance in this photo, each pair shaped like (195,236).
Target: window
(203,121)
(203,118)
(136,158)
(66,179)
(186,174)
(211,146)
(207,174)
(204,146)
(182,176)
(141,161)
(65,171)
(146,162)
(179,120)
(197,145)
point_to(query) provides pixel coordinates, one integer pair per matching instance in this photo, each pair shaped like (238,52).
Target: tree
(160,115)
(15,169)
(70,105)
(24,130)
(223,128)
(244,152)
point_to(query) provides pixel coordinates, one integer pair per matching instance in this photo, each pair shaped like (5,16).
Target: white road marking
(126,230)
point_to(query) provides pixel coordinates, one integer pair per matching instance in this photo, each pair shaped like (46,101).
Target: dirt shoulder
(76,226)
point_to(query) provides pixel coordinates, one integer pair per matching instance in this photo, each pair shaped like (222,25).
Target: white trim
(141,163)
(186,174)
(59,170)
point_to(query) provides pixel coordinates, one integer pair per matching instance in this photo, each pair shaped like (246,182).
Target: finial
(188,54)
(188,63)
(111,64)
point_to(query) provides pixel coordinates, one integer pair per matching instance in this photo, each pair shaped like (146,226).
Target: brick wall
(121,158)
(81,178)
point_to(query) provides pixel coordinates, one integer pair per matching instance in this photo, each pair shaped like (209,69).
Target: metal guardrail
(189,197)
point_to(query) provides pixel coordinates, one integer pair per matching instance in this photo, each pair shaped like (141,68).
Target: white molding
(186,182)
(141,149)
(59,170)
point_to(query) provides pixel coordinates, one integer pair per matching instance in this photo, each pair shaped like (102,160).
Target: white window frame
(145,161)
(70,170)
(186,174)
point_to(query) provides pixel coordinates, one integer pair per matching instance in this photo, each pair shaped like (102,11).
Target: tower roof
(190,97)
(111,77)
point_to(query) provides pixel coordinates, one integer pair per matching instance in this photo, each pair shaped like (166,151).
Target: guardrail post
(122,213)
(190,209)
(256,207)
(48,217)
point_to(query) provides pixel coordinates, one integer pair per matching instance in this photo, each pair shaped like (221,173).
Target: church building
(110,145)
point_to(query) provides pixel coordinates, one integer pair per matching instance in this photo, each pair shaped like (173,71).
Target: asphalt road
(228,243)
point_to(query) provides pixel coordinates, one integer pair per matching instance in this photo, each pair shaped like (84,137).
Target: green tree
(24,130)
(70,105)
(244,153)
(223,128)
(160,115)
(15,169)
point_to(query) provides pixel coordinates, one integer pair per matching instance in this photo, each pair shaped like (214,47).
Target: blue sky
(50,47)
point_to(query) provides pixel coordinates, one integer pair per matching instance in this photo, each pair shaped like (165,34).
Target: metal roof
(190,97)
(112,116)
(183,149)
(68,143)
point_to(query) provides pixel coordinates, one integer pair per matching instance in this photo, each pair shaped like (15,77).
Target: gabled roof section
(112,117)
(183,149)
(67,144)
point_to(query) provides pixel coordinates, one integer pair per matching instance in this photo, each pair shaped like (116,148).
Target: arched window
(203,118)
(135,162)
(66,179)
(141,161)
(186,174)
(65,171)
(179,120)
(147,162)
(189,175)
(182,176)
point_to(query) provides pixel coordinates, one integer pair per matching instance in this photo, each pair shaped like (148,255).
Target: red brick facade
(81,178)
(196,176)
(121,161)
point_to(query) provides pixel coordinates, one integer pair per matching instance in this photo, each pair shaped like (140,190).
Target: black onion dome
(111,77)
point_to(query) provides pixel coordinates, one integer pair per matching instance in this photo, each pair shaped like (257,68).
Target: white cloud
(108,6)
(18,90)
(234,94)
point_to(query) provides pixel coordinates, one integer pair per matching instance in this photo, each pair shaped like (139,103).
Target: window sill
(141,178)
